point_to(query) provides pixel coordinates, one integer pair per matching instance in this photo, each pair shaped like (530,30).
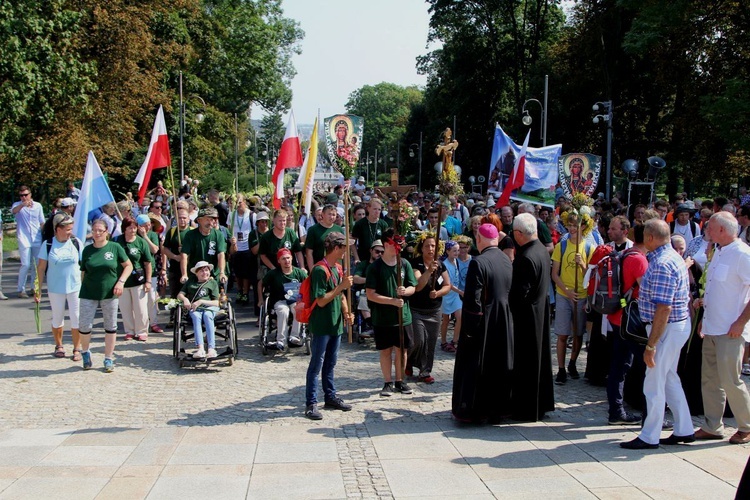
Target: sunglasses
(378,252)
(24,195)
(157,206)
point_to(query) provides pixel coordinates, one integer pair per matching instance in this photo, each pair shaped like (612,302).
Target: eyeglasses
(157,207)
(23,195)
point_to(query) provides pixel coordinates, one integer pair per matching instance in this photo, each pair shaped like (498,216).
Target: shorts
(262,271)
(388,336)
(88,309)
(241,264)
(564,316)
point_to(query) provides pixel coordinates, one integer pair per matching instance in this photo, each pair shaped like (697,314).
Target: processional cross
(395,192)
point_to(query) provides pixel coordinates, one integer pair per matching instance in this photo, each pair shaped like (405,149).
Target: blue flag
(94,193)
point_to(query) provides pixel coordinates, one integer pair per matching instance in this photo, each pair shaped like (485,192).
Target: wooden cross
(395,191)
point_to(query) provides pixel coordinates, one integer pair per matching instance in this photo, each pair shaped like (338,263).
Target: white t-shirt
(727,289)
(686,232)
(241,228)
(29,222)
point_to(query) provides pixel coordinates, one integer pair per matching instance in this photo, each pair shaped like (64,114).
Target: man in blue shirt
(663,303)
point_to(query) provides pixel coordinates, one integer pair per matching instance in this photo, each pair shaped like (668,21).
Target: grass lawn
(9,243)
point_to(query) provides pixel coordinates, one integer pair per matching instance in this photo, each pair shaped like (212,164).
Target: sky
(351,44)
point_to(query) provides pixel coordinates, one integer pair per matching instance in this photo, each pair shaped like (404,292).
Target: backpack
(605,294)
(304,307)
(693,227)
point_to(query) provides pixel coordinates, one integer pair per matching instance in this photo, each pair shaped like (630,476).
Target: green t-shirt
(278,284)
(361,268)
(172,243)
(382,278)
(102,268)
(366,233)
(210,290)
(270,244)
(199,247)
(139,255)
(325,320)
(316,237)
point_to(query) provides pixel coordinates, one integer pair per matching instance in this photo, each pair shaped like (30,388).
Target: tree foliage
(80,74)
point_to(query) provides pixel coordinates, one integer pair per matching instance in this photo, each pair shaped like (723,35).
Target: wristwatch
(650,348)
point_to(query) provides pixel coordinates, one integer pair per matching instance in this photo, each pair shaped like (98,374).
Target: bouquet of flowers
(450,183)
(406,215)
(169,303)
(346,163)
(582,210)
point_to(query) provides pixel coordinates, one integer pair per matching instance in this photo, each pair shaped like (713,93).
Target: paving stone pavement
(153,430)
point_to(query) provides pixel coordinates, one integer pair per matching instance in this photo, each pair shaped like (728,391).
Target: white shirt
(686,232)
(29,222)
(241,227)
(727,289)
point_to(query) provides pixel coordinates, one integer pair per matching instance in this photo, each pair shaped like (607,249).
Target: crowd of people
(508,277)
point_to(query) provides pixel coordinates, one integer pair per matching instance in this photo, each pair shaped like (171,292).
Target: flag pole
(348,256)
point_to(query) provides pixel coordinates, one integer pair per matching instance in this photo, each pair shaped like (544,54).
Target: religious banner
(540,170)
(579,173)
(343,135)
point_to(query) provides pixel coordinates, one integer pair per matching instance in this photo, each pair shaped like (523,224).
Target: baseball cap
(67,202)
(262,216)
(208,212)
(283,251)
(142,219)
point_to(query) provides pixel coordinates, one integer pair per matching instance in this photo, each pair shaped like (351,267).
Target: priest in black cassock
(533,393)
(484,360)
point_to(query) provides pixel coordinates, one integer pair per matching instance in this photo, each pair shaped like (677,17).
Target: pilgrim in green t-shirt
(102,268)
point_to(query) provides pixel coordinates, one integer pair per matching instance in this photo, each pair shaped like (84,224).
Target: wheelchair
(359,333)
(268,328)
(226,330)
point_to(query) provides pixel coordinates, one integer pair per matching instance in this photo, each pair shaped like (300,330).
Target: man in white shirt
(29,221)
(725,330)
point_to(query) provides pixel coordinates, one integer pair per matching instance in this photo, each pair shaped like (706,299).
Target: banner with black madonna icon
(579,173)
(343,135)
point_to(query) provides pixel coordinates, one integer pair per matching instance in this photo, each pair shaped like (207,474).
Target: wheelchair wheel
(177,333)
(231,330)
(308,340)
(262,334)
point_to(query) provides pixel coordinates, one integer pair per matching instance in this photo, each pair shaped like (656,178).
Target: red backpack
(304,307)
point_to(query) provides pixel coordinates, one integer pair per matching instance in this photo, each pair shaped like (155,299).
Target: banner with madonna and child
(540,170)
(579,173)
(343,135)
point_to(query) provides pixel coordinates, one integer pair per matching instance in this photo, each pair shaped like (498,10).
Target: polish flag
(290,156)
(517,177)
(157,156)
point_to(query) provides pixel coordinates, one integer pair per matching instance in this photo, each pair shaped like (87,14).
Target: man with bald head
(484,361)
(663,303)
(725,330)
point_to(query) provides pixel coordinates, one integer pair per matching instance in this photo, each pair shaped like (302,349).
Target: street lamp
(606,107)
(255,165)
(526,118)
(199,117)
(411,155)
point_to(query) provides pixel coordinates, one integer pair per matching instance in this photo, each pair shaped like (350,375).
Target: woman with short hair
(134,298)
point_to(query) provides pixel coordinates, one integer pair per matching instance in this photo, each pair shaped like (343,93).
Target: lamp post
(255,165)
(606,107)
(411,155)
(526,119)
(198,118)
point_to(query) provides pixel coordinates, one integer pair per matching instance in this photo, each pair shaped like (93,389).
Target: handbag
(140,275)
(633,328)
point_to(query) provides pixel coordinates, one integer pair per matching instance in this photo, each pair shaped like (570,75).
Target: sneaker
(745,367)
(427,379)
(129,336)
(142,337)
(561,378)
(387,389)
(212,353)
(573,371)
(199,354)
(109,365)
(338,404)
(156,329)
(23,295)
(86,357)
(3,296)
(403,387)
(625,419)
(280,346)
(295,341)
(311,412)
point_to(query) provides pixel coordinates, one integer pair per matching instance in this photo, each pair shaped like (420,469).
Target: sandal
(447,347)
(59,351)
(76,355)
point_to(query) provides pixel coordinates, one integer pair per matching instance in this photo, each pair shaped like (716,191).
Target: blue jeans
(324,354)
(202,317)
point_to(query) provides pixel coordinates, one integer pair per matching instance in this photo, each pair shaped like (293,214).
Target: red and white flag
(157,156)
(517,177)
(290,156)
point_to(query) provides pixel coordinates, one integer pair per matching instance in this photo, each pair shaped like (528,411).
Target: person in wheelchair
(282,285)
(202,306)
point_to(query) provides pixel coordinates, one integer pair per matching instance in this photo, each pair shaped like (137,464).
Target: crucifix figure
(395,191)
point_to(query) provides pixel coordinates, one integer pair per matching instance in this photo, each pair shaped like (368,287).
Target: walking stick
(347,256)
(399,283)
(575,301)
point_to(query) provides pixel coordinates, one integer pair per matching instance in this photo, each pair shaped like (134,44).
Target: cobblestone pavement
(150,395)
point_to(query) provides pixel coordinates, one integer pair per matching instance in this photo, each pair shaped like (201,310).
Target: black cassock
(484,360)
(533,393)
